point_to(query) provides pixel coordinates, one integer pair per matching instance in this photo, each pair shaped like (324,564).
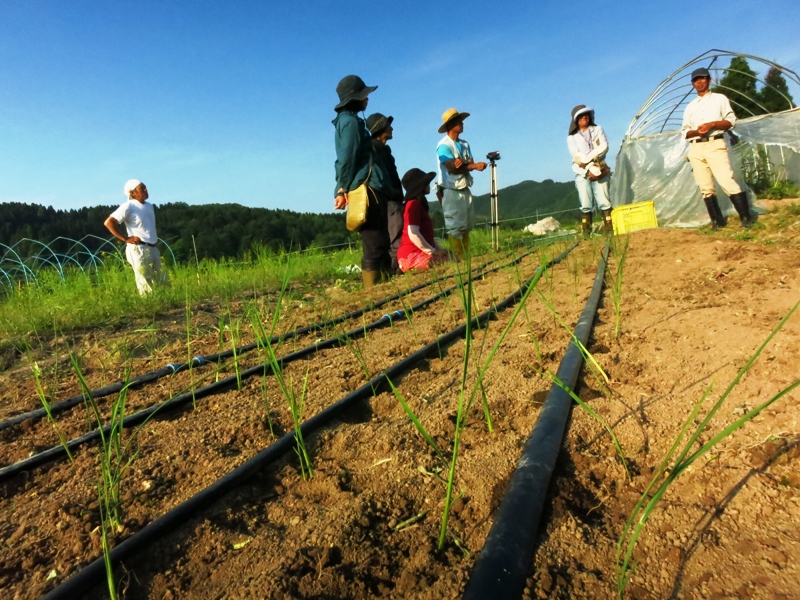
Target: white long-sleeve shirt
(706,109)
(583,152)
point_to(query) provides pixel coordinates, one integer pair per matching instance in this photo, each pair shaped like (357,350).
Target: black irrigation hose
(504,562)
(199,361)
(140,417)
(82,582)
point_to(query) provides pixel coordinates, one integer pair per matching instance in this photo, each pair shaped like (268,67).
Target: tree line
(738,83)
(219,230)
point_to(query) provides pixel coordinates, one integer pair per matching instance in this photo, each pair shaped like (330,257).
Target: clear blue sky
(232,101)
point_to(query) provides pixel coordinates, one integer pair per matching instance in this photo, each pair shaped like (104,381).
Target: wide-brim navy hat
(415,181)
(701,72)
(352,88)
(377,122)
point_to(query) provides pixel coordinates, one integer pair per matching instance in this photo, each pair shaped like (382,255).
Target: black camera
(493,156)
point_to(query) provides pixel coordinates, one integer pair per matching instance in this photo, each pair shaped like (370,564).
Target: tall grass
(86,300)
(671,467)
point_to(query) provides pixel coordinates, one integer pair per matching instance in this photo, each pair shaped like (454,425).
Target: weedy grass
(295,401)
(44,398)
(672,466)
(115,456)
(235,326)
(467,393)
(619,250)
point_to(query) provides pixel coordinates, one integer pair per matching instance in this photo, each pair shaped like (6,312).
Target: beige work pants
(147,270)
(710,161)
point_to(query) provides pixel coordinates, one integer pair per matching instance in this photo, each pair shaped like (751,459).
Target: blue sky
(232,101)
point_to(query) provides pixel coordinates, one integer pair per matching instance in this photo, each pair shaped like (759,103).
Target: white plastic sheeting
(655,167)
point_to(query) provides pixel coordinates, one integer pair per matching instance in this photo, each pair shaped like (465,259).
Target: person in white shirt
(140,222)
(588,146)
(705,121)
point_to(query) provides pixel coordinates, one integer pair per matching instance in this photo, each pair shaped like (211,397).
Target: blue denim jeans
(592,191)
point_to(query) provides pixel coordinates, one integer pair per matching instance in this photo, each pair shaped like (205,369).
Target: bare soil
(695,306)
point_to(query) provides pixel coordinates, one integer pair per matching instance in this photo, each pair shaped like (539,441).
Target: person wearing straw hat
(418,247)
(454,165)
(588,146)
(354,166)
(386,179)
(140,244)
(705,121)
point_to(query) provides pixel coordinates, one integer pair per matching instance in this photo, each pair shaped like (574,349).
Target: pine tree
(738,83)
(775,94)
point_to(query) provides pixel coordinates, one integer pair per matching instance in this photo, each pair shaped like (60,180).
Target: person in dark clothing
(386,179)
(354,166)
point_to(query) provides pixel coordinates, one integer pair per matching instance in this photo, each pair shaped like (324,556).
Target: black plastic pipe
(78,585)
(199,361)
(60,451)
(504,563)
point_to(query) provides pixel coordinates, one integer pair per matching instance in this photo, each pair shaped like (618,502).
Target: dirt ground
(694,308)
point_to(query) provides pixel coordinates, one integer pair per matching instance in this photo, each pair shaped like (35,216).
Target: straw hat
(449,117)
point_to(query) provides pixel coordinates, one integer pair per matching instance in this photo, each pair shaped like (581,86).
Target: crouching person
(418,248)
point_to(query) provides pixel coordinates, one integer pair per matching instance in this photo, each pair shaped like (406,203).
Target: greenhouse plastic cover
(655,167)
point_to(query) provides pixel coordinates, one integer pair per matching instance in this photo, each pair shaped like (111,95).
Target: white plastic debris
(543,227)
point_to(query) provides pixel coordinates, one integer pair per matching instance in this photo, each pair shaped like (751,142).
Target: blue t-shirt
(445,153)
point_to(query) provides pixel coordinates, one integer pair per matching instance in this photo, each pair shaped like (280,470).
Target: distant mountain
(530,199)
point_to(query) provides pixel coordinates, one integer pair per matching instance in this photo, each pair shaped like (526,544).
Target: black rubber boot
(742,206)
(608,222)
(586,224)
(714,212)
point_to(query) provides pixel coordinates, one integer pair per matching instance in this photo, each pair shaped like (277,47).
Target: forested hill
(220,230)
(529,198)
(231,230)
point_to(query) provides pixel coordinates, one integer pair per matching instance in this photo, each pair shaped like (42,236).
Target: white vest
(446,178)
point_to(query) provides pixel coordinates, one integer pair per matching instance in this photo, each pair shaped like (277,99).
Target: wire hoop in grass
(649,499)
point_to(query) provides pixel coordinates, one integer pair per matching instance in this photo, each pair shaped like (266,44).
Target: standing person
(588,146)
(705,121)
(454,165)
(418,248)
(386,179)
(140,223)
(354,166)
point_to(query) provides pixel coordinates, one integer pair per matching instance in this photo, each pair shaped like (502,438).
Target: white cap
(129,186)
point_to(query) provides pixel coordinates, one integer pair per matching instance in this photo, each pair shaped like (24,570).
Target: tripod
(495,217)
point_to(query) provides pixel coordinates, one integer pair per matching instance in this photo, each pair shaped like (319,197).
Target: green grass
(110,297)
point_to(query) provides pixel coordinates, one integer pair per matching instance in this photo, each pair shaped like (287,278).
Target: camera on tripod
(493,156)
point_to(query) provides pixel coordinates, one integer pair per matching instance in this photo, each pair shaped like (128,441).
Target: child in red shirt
(418,248)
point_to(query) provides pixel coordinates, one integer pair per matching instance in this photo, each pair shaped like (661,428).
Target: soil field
(695,306)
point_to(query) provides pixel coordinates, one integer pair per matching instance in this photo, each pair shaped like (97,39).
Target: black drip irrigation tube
(95,572)
(200,361)
(60,451)
(504,563)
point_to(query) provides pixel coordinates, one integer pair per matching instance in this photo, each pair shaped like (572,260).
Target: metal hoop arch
(78,254)
(656,114)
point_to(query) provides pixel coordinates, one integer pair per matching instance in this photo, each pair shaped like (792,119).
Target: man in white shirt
(140,222)
(705,121)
